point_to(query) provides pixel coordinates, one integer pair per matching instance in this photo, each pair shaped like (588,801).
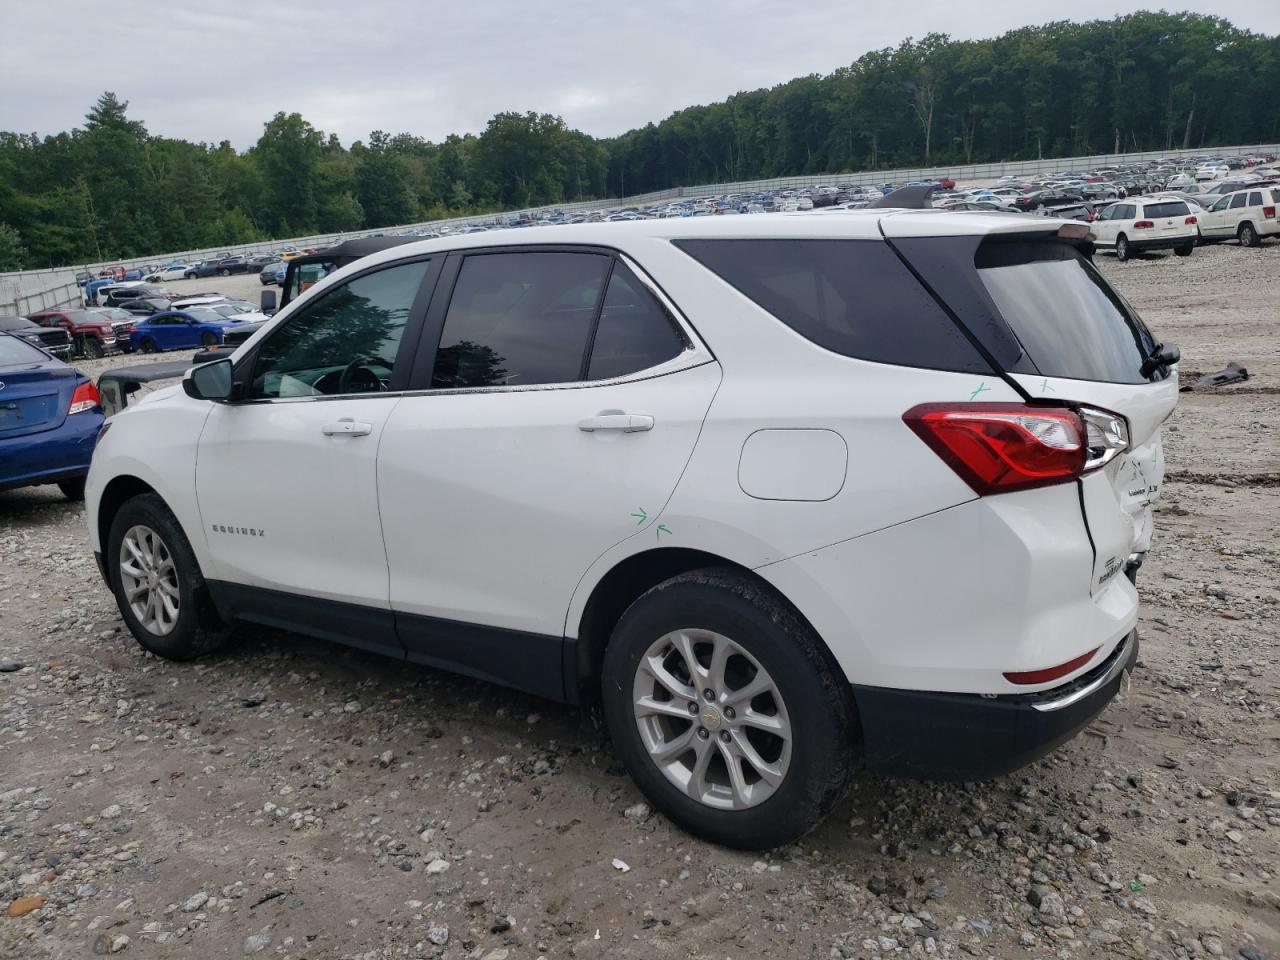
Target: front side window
(519,319)
(345,342)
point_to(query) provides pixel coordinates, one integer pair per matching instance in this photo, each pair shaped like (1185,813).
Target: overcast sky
(214,71)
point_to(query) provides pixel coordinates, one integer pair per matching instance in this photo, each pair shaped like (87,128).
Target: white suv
(1246,215)
(784,493)
(1141,224)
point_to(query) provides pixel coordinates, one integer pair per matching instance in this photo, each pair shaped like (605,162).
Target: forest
(1147,81)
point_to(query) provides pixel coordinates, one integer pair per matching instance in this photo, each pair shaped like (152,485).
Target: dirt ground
(293,799)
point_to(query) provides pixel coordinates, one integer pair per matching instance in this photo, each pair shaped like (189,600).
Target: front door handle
(346,427)
(626,422)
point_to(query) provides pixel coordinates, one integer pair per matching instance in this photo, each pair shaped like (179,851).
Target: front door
(563,403)
(287,477)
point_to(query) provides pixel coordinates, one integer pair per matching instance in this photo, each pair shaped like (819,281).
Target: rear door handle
(347,427)
(626,422)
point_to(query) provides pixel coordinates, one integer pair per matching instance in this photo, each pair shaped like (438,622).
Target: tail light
(1143,225)
(86,397)
(1269,212)
(1002,447)
(1189,220)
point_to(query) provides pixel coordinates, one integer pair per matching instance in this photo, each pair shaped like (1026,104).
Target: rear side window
(853,297)
(1170,209)
(635,331)
(1071,323)
(517,319)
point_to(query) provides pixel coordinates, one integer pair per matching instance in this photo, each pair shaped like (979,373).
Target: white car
(172,271)
(1141,224)
(1247,215)
(744,481)
(1212,171)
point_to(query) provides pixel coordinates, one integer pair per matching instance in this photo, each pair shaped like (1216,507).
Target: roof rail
(906,198)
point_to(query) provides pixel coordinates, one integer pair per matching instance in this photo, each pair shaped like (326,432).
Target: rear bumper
(964,736)
(51,455)
(1163,243)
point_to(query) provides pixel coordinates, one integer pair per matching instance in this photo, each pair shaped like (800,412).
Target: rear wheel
(727,710)
(1248,235)
(1122,248)
(208,340)
(224,273)
(1185,251)
(72,489)
(158,585)
(148,345)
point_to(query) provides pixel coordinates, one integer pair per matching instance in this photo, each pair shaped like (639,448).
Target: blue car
(50,414)
(180,330)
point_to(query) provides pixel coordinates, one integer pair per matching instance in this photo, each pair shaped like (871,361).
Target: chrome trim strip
(1116,668)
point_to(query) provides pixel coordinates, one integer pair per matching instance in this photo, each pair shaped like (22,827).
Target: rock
(351,706)
(195,902)
(386,759)
(437,866)
(1252,953)
(621,865)
(1027,939)
(500,924)
(637,812)
(110,943)
(110,813)
(500,954)
(1143,905)
(11,666)
(438,934)
(257,942)
(24,905)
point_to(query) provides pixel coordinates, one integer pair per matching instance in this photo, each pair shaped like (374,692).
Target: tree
(12,252)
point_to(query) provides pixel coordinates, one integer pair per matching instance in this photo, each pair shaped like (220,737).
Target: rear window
(1069,320)
(853,297)
(1171,209)
(15,351)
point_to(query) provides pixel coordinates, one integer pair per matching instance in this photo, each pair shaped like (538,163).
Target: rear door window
(853,297)
(635,331)
(519,319)
(1069,320)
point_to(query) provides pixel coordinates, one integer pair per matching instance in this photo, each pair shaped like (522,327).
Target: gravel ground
(292,799)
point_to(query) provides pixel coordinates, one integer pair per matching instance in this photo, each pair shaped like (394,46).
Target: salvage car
(180,329)
(92,335)
(50,415)
(611,463)
(1142,224)
(54,341)
(1247,215)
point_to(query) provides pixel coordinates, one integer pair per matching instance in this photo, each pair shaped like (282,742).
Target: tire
(1185,251)
(1122,248)
(72,489)
(224,273)
(208,340)
(188,628)
(148,346)
(189,275)
(809,699)
(93,348)
(1248,235)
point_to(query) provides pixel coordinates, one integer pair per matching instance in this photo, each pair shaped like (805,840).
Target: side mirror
(209,381)
(267,303)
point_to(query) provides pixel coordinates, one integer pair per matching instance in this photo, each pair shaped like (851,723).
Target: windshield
(204,314)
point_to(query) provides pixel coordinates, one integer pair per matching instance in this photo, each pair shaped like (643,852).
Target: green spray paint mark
(662,528)
(1044,386)
(640,515)
(980,388)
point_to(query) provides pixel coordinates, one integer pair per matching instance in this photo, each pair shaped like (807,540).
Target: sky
(217,71)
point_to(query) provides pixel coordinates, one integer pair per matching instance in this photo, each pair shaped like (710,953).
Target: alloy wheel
(712,719)
(149,578)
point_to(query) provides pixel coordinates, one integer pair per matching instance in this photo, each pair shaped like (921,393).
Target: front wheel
(158,585)
(72,489)
(727,710)
(148,346)
(1185,251)
(1248,235)
(1122,248)
(224,273)
(208,340)
(93,348)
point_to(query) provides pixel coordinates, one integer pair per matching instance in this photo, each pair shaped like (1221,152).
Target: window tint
(1125,211)
(13,350)
(1169,209)
(1255,199)
(635,331)
(345,342)
(517,319)
(853,297)
(1070,321)
(1238,200)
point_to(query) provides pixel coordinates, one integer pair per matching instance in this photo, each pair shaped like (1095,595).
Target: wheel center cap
(711,718)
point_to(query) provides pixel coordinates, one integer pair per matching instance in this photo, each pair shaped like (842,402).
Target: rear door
(1087,346)
(560,401)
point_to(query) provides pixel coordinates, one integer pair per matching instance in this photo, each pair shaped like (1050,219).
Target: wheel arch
(624,583)
(114,495)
